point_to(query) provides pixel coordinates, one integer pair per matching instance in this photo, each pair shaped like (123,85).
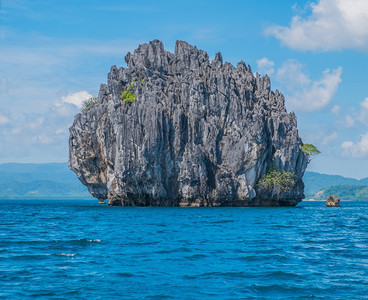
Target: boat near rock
(177,129)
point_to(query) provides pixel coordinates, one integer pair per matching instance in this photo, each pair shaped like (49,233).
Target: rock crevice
(199,133)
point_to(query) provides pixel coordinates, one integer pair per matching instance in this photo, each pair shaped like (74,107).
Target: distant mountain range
(56,181)
(344,192)
(40,181)
(314,182)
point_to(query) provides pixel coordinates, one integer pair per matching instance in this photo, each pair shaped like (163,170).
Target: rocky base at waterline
(332,201)
(176,129)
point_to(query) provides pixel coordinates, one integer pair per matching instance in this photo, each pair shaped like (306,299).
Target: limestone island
(332,201)
(176,129)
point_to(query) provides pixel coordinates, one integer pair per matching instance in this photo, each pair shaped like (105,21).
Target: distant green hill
(344,192)
(320,186)
(363,181)
(40,181)
(315,182)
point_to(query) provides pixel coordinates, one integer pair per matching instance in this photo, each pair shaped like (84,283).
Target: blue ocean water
(80,250)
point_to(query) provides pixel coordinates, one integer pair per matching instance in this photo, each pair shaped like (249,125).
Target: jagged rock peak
(218,58)
(178,129)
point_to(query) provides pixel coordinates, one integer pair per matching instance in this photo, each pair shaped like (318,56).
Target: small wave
(273,288)
(191,277)
(45,294)
(250,258)
(65,254)
(222,222)
(20,242)
(195,256)
(181,249)
(361,218)
(94,240)
(158,224)
(281,275)
(160,296)
(29,257)
(283,226)
(142,243)
(47,242)
(263,257)
(124,274)
(89,240)
(224,274)
(83,242)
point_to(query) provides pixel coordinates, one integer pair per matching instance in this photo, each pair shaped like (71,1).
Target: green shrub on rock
(128,94)
(277,181)
(87,105)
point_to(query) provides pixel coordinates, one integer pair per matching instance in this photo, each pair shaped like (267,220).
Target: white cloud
(329,138)
(304,94)
(332,24)
(38,84)
(60,131)
(64,109)
(322,136)
(336,109)
(3,120)
(45,139)
(16,130)
(38,69)
(358,149)
(265,66)
(349,121)
(4,85)
(35,124)
(363,116)
(77,98)
(39,136)
(36,72)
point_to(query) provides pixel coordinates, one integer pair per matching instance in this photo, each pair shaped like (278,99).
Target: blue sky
(55,54)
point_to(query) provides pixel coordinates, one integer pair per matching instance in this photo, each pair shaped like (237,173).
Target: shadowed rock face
(200,133)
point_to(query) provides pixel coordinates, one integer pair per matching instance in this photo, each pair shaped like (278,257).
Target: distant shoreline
(49,198)
(314,200)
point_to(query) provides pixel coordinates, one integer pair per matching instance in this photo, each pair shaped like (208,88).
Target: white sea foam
(65,254)
(94,240)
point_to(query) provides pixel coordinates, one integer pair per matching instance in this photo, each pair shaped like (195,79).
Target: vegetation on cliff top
(87,105)
(277,181)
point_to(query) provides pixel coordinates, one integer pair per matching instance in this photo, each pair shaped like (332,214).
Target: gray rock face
(200,133)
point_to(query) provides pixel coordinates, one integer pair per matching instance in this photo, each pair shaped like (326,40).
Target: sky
(55,54)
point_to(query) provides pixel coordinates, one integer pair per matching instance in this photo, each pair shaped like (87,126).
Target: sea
(78,249)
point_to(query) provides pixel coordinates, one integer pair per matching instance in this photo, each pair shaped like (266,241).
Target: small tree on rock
(310,150)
